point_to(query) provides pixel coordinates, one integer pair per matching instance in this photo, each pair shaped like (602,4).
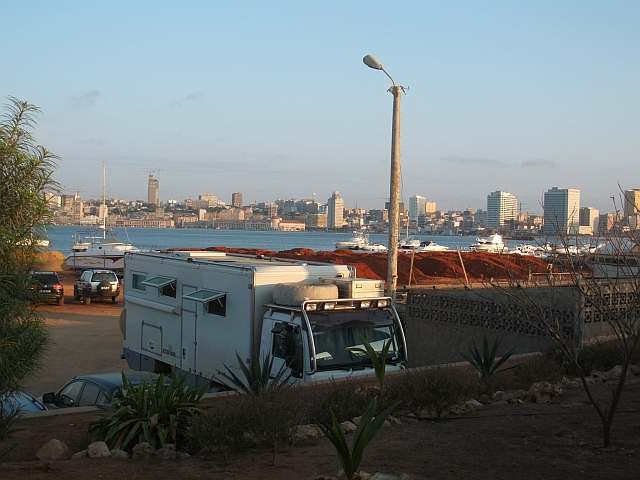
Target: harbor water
(62,238)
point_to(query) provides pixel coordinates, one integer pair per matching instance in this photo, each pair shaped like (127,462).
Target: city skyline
(274,100)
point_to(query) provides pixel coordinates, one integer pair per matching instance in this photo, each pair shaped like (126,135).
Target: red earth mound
(424,268)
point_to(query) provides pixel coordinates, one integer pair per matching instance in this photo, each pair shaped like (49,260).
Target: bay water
(62,238)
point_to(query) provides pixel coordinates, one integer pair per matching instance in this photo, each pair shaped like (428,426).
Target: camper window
(215,303)
(166,286)
(136,282)
(217,306)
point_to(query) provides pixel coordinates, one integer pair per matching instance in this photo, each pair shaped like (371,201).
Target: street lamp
(394,196)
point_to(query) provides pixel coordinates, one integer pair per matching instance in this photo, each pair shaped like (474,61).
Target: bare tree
(589,291)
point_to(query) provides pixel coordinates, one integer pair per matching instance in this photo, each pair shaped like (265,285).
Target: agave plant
(485,361)
(157,414)
(379,361)
(257,376)
(367,429)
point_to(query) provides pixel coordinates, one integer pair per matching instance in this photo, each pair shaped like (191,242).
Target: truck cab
(314,340)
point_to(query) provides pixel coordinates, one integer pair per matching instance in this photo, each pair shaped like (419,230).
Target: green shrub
(157,414)
(257,376)
(220,431)
(367,429)
(485,361)
(537,368)
(435,389)
(346,398)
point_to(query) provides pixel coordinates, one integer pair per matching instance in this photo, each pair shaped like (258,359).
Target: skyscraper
(335,211)
(236,199)
(501,208)
(417,207)
(631,202)
(561,211)
(589,220)
(153,197)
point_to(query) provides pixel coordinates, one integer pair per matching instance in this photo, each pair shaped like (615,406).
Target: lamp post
(394,196)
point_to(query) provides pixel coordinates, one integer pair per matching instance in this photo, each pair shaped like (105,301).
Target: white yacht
(356,242)
(492,244)
(431,247)
(98,247)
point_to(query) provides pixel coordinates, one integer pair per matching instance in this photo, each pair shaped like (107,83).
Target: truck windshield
(334,332)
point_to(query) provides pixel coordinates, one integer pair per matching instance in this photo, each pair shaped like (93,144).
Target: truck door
(188,348)
(287,350)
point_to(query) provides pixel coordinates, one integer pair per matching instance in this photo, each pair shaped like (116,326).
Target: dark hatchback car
(86,390)
(49,286)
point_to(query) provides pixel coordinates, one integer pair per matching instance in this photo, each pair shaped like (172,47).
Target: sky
(272,99)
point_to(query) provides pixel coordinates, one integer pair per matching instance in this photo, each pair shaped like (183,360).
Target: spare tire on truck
(104,288)
(293,294)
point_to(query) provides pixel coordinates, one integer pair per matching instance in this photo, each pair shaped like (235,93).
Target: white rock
(81,454)
(98,450)
(473,405)
(306,431)
(348,427)
(383,476)
(168,452)
(142,450)
(120,454)
(53,450)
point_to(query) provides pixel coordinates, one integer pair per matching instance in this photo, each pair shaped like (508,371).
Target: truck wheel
(86,300)
(76,295)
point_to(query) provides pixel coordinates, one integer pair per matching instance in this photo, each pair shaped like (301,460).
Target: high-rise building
(588,220)
(631,202)
(335,211)
(502,207)
(430,207)
(153,197)
(417,207)
(236,199)
(561,211)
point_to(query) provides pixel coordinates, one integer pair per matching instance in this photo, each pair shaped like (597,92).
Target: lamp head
(372,62)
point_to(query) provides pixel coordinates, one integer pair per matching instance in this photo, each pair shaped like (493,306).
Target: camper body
(199,312)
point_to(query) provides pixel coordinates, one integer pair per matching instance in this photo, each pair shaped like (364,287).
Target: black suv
(49,286)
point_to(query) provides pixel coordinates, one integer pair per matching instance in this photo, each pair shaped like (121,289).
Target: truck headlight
(383,303)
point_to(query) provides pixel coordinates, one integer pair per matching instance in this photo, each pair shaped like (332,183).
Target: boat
(491,244)
(98,247)
(408,244)
(527,249)
(356,242)
(374,247)
(431,247)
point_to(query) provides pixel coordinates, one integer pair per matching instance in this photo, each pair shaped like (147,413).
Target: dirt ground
(559,440)
(501,441)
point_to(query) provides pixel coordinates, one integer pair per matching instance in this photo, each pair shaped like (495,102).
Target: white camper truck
(193,311)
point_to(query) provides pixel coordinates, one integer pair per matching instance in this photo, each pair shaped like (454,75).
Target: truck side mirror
(49,397)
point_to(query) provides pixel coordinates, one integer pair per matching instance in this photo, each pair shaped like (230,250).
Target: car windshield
(99,277)
(334,334)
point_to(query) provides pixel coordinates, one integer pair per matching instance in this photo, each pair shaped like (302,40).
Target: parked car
(96,284)
(86,390)
(20,400)
(48,285)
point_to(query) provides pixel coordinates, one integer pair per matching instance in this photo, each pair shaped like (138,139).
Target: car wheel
(76,295)
(114,299)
